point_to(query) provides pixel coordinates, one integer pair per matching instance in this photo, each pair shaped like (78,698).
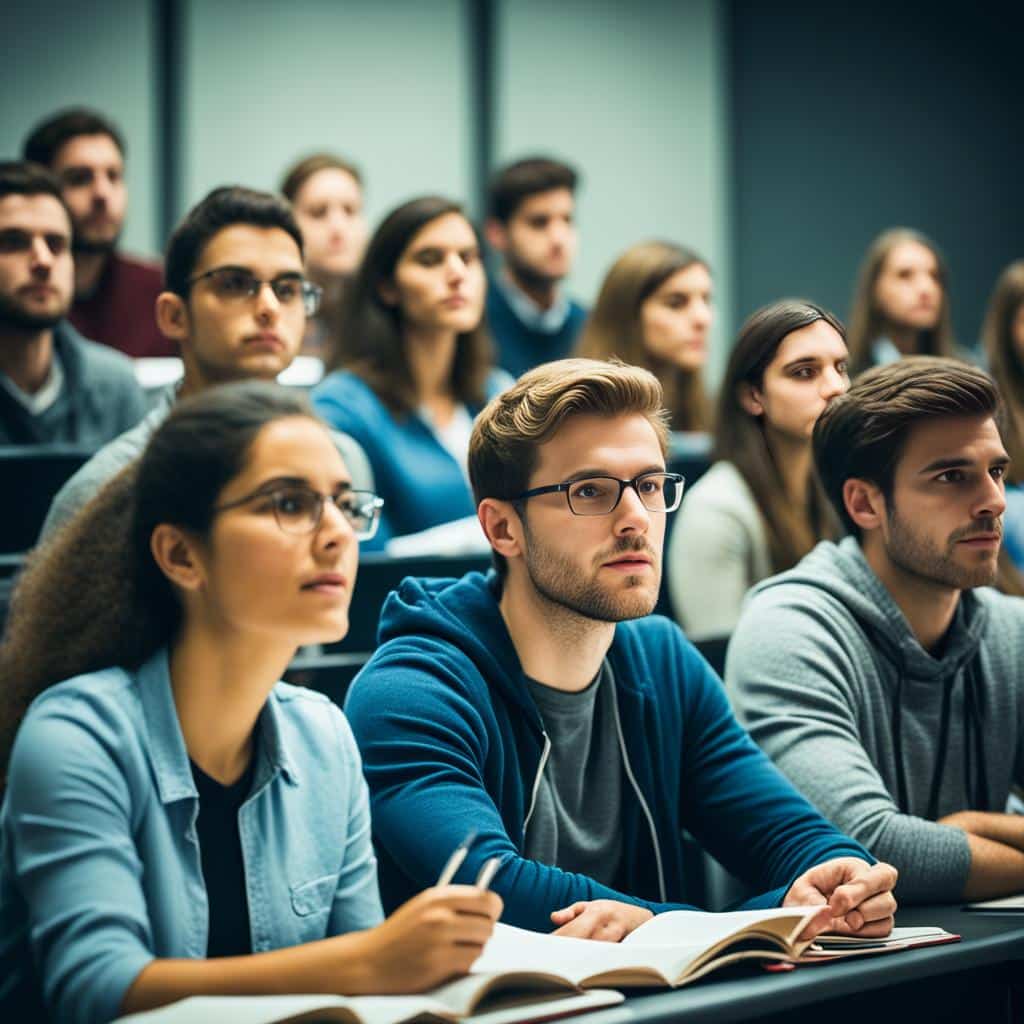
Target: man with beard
(531,210)
(115,295)
(55,386)
(544,709)
(882,674)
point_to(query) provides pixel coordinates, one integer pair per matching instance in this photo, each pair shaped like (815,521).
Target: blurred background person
(531,224)
(760,508)
(413,369)
(654,310)
(901,303)
(326,193)
(115,294)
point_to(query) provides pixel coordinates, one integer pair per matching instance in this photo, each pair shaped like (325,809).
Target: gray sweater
(827,676)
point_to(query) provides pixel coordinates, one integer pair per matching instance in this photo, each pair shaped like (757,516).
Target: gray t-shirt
(576,821)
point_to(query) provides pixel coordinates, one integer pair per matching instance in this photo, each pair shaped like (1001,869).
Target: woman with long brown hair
(176,821)
(901,303)
(760,508)
(654,310)
(414,367)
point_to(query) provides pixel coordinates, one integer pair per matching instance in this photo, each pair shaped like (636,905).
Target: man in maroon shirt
(114,294)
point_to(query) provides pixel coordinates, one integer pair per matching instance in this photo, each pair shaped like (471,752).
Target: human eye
(952,476)
(651,484)
(287,289)
(538,223)
(843,367)
(999,472)
(804,373)
(595,490)
(57,244)
(294,502)
(429,257)
(317,212)
(470,255)
(76,177)
(234,282)
(14,241)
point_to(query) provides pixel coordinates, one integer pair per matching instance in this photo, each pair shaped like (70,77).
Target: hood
(464,613)
(842,572)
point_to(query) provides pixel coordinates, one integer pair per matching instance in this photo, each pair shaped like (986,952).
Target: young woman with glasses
(176,821)
(760,508)
(414,368)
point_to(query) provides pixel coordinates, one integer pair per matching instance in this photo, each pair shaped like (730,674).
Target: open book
(508,998)
(680,946)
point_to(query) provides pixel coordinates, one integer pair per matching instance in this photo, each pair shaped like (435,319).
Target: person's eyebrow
(582,474)
(298,481)
(960,463)
(803,361)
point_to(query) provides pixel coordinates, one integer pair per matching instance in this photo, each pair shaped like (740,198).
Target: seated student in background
(654,310)
(165,814)
(55,385)
(326,193)
(114,293)
(235,305)
(531,224)
(579,743)
(414,367)
(1003,337)
(881,681)
(759,509)
(901,302)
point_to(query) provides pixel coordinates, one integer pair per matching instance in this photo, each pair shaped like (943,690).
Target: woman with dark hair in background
(1003,338)
(413,370)
(654,310)
(901,303)
(760,508)
(326,193)
(170,802)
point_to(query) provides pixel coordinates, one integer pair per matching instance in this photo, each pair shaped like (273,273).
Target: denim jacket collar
(167,745)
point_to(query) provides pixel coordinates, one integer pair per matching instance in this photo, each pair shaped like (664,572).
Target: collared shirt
(547,321)
(100,866)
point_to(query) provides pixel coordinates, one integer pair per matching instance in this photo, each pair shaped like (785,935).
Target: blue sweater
(421,483)
(520,347)
(451,741)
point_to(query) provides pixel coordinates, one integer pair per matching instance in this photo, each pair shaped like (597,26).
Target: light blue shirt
(547,321)
(100,867)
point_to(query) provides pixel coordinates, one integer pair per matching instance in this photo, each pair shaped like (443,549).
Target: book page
(693,928)
(897,937)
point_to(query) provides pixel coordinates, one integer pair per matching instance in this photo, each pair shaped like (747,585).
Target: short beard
(14,316)
(528,277)
(88,247)
(922,558)
(557,579)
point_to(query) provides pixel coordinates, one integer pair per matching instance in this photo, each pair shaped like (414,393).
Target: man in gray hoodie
(881,681)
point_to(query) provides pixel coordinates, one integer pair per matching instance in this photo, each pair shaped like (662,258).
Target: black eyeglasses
(299,509)
(599,495)
(237,283)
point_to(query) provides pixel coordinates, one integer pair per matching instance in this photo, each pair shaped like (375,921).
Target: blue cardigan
(451,741)
(420,482)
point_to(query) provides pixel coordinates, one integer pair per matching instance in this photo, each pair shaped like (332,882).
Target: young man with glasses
(236,302)
(544,708)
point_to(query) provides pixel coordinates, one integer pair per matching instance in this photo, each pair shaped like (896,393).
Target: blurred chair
(713,648)
(30,476)
(329,674)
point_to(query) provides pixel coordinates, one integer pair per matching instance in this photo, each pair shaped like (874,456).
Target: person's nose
(702,313)
(455,268)
(631,516)
(42,258)
(334,530)
(833,383)
(991,501)
(268,305)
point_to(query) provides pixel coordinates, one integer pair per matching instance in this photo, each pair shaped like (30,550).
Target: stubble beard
(922,558)
(13,315)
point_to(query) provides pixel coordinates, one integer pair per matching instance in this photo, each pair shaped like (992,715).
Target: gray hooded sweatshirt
(878,734)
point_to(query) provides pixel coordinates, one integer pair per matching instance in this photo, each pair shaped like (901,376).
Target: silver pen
(454,862)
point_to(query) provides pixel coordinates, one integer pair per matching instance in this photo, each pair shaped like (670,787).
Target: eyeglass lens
(236,283)
(597,496)
(299,510)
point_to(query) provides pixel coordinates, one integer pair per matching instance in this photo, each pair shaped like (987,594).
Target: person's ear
(172,318)
(502,527)
(750,399)
(496,234)
(864,503)
(177,556)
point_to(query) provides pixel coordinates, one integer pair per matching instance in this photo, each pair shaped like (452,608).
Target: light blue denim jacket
(100,870)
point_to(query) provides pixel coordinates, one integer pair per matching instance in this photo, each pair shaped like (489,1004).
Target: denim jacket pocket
(314,897)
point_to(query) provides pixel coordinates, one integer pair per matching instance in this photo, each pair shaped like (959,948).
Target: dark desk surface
(988,940)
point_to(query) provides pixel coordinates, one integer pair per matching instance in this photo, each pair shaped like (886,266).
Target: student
(901,304)
(326,193)
(654,311)
(579,743)
(531,208)
(55,385)
(235,305)
(414,368)
(882,675)
(115,294)
(1003,337)
(166,804)
(759,509)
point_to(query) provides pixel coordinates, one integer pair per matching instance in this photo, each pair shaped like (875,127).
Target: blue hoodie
(451,741)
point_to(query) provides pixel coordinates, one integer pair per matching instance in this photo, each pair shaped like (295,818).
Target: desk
(964,980)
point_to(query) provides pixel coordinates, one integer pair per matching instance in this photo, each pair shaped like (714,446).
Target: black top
(220,848)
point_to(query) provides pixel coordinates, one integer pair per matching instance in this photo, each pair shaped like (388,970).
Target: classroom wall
(636,97)
(93,52)
(848,119)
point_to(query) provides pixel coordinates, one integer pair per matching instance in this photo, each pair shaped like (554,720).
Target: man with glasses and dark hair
(235,303)
(545,708)
(55,385)
(114,293)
